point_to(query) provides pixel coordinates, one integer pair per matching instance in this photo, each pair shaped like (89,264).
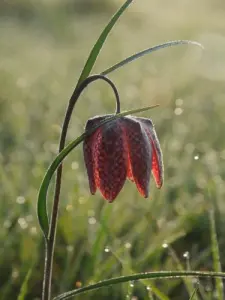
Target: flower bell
(126,147)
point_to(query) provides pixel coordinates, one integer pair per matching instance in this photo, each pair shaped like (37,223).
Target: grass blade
(42,196)
(149,275)
(215,254)
(194,292)
(24,287)
(98,45)
(147,51)
(188,284)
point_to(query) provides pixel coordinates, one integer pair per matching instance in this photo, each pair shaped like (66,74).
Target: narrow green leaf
(215,254)
(42,196)
(98,45)
(149,275)
(147,51)
(194,292)
(24,287)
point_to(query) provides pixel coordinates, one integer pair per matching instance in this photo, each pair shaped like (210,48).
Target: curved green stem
(147,275)
(50,239)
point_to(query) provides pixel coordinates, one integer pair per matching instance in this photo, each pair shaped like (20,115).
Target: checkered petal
(157,161)
(139,155)
(88,149)
(110,160)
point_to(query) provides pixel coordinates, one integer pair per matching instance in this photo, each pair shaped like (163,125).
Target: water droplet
(92,221)
(15,273)
(20,200)
(75,165)
(23,223)
(165,245)
(148,288)
(196,157)
(33,230)
(69,248)
(132,284)
(178,111)
(107,249)
(186,255)
(127,245)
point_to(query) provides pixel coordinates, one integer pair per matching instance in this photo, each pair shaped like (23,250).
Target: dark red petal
(88,147)
(157,163)
(139,155)
(110,160)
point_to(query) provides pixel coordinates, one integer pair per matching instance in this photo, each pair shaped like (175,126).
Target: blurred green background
(43,46)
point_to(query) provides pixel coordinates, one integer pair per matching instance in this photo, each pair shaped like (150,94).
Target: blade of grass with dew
(98,45)
(101,234)
(154,290)
(127,269)
(42,196)
(148,51)
(149,275)
(188,284)
(126,266)
(216,254)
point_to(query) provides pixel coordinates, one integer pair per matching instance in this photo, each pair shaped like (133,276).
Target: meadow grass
(43,48)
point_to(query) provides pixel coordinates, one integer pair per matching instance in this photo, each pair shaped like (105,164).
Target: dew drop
(131,284)
(33,230)
(15,273)
(23,223)
(178,111)
(196,157)
(92,221)
(69,248)
(186,255)
(165,245)
(127,245)
(107,249)
(74,165)
(20,200)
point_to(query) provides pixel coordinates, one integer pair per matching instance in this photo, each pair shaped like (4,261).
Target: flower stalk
(50,239)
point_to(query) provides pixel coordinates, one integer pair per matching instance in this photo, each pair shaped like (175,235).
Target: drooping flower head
(126,147)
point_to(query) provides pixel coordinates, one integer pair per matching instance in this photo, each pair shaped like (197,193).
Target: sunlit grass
(42,50)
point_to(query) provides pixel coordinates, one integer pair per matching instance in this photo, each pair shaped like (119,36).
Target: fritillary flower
(126,147)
